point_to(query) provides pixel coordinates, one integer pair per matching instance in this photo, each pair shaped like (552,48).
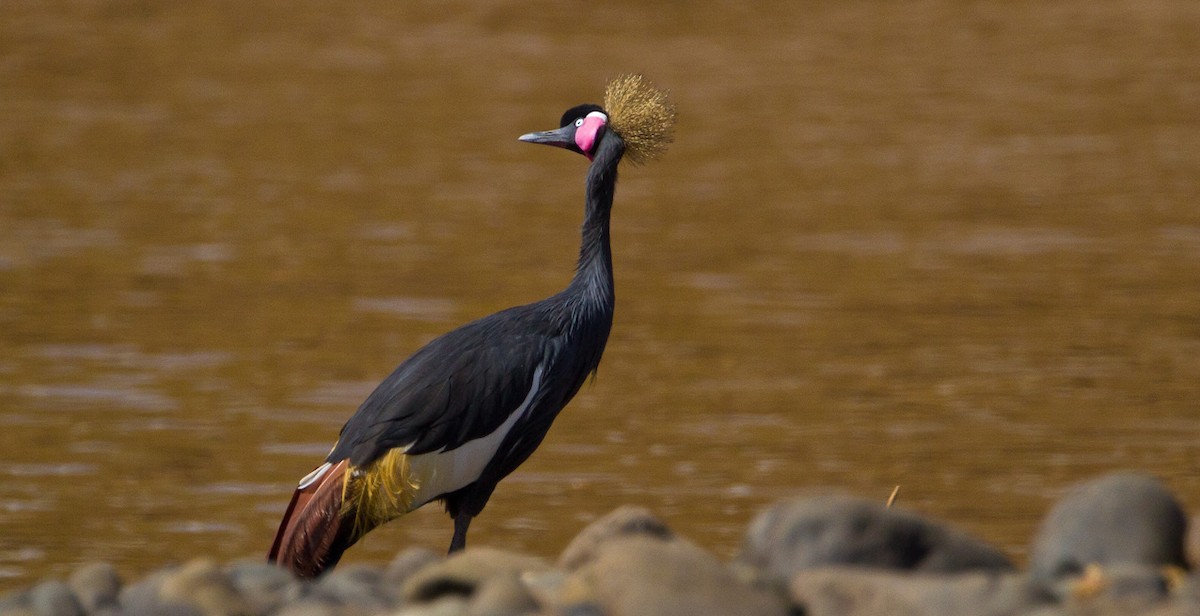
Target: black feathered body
(464,385)
(466,409)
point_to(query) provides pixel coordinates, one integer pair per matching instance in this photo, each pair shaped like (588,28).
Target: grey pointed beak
(563,137)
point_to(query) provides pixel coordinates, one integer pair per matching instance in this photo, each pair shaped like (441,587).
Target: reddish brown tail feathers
(314,533)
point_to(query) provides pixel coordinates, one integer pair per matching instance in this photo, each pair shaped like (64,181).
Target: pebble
(645,575)
(1113,545)
(96,587)
(806,532)
(354,585)
(203,586)
(264,586)
(502,595)
(142,598)
(1118,519)
(846,591)
(406,563)
(462,573)
(623,521)
(54,597)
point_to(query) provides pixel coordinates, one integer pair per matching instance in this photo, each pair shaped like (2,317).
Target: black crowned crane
(468,408)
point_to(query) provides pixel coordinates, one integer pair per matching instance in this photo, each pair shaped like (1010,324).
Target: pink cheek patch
(585,135)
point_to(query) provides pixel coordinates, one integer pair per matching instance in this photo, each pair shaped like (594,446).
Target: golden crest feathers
(642,114)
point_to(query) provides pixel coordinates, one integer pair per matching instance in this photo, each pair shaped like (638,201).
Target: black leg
(461,522)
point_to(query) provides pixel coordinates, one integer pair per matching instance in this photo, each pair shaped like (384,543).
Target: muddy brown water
(949,246)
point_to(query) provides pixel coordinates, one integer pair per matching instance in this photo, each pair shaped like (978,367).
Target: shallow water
(952,247)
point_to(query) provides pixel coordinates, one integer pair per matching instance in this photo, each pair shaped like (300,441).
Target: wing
(459,387)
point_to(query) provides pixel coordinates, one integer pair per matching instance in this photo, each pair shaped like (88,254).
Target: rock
(1127,589)
(96,586)
(462,573)
(583,609)
(852,591)
(446,605)
(621,522)
(264,587)
(1119,582)
(1192,541)
(808,532)
(546,587)
(15,603)
(142,598)
(1186,590)
(406,563)
(54,598)
(309,607)
(1119,519)
(645,575)
(502,595)
(203,585)
(356,585)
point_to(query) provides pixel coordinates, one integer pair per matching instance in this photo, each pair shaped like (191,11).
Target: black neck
(593,274)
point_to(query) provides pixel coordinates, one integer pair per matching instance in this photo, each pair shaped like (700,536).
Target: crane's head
(642,115)
(580,130)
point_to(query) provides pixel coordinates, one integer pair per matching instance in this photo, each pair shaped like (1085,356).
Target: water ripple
(69,397)
(51,469)
(417,308)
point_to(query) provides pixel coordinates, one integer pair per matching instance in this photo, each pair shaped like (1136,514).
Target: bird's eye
(578,122)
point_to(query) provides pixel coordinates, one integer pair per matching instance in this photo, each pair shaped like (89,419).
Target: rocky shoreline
(1113,545)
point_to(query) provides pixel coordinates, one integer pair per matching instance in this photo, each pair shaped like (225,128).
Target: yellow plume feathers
(642,115)
(380,491)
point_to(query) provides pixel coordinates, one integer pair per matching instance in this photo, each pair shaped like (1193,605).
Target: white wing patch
(312,477)
(442,472)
